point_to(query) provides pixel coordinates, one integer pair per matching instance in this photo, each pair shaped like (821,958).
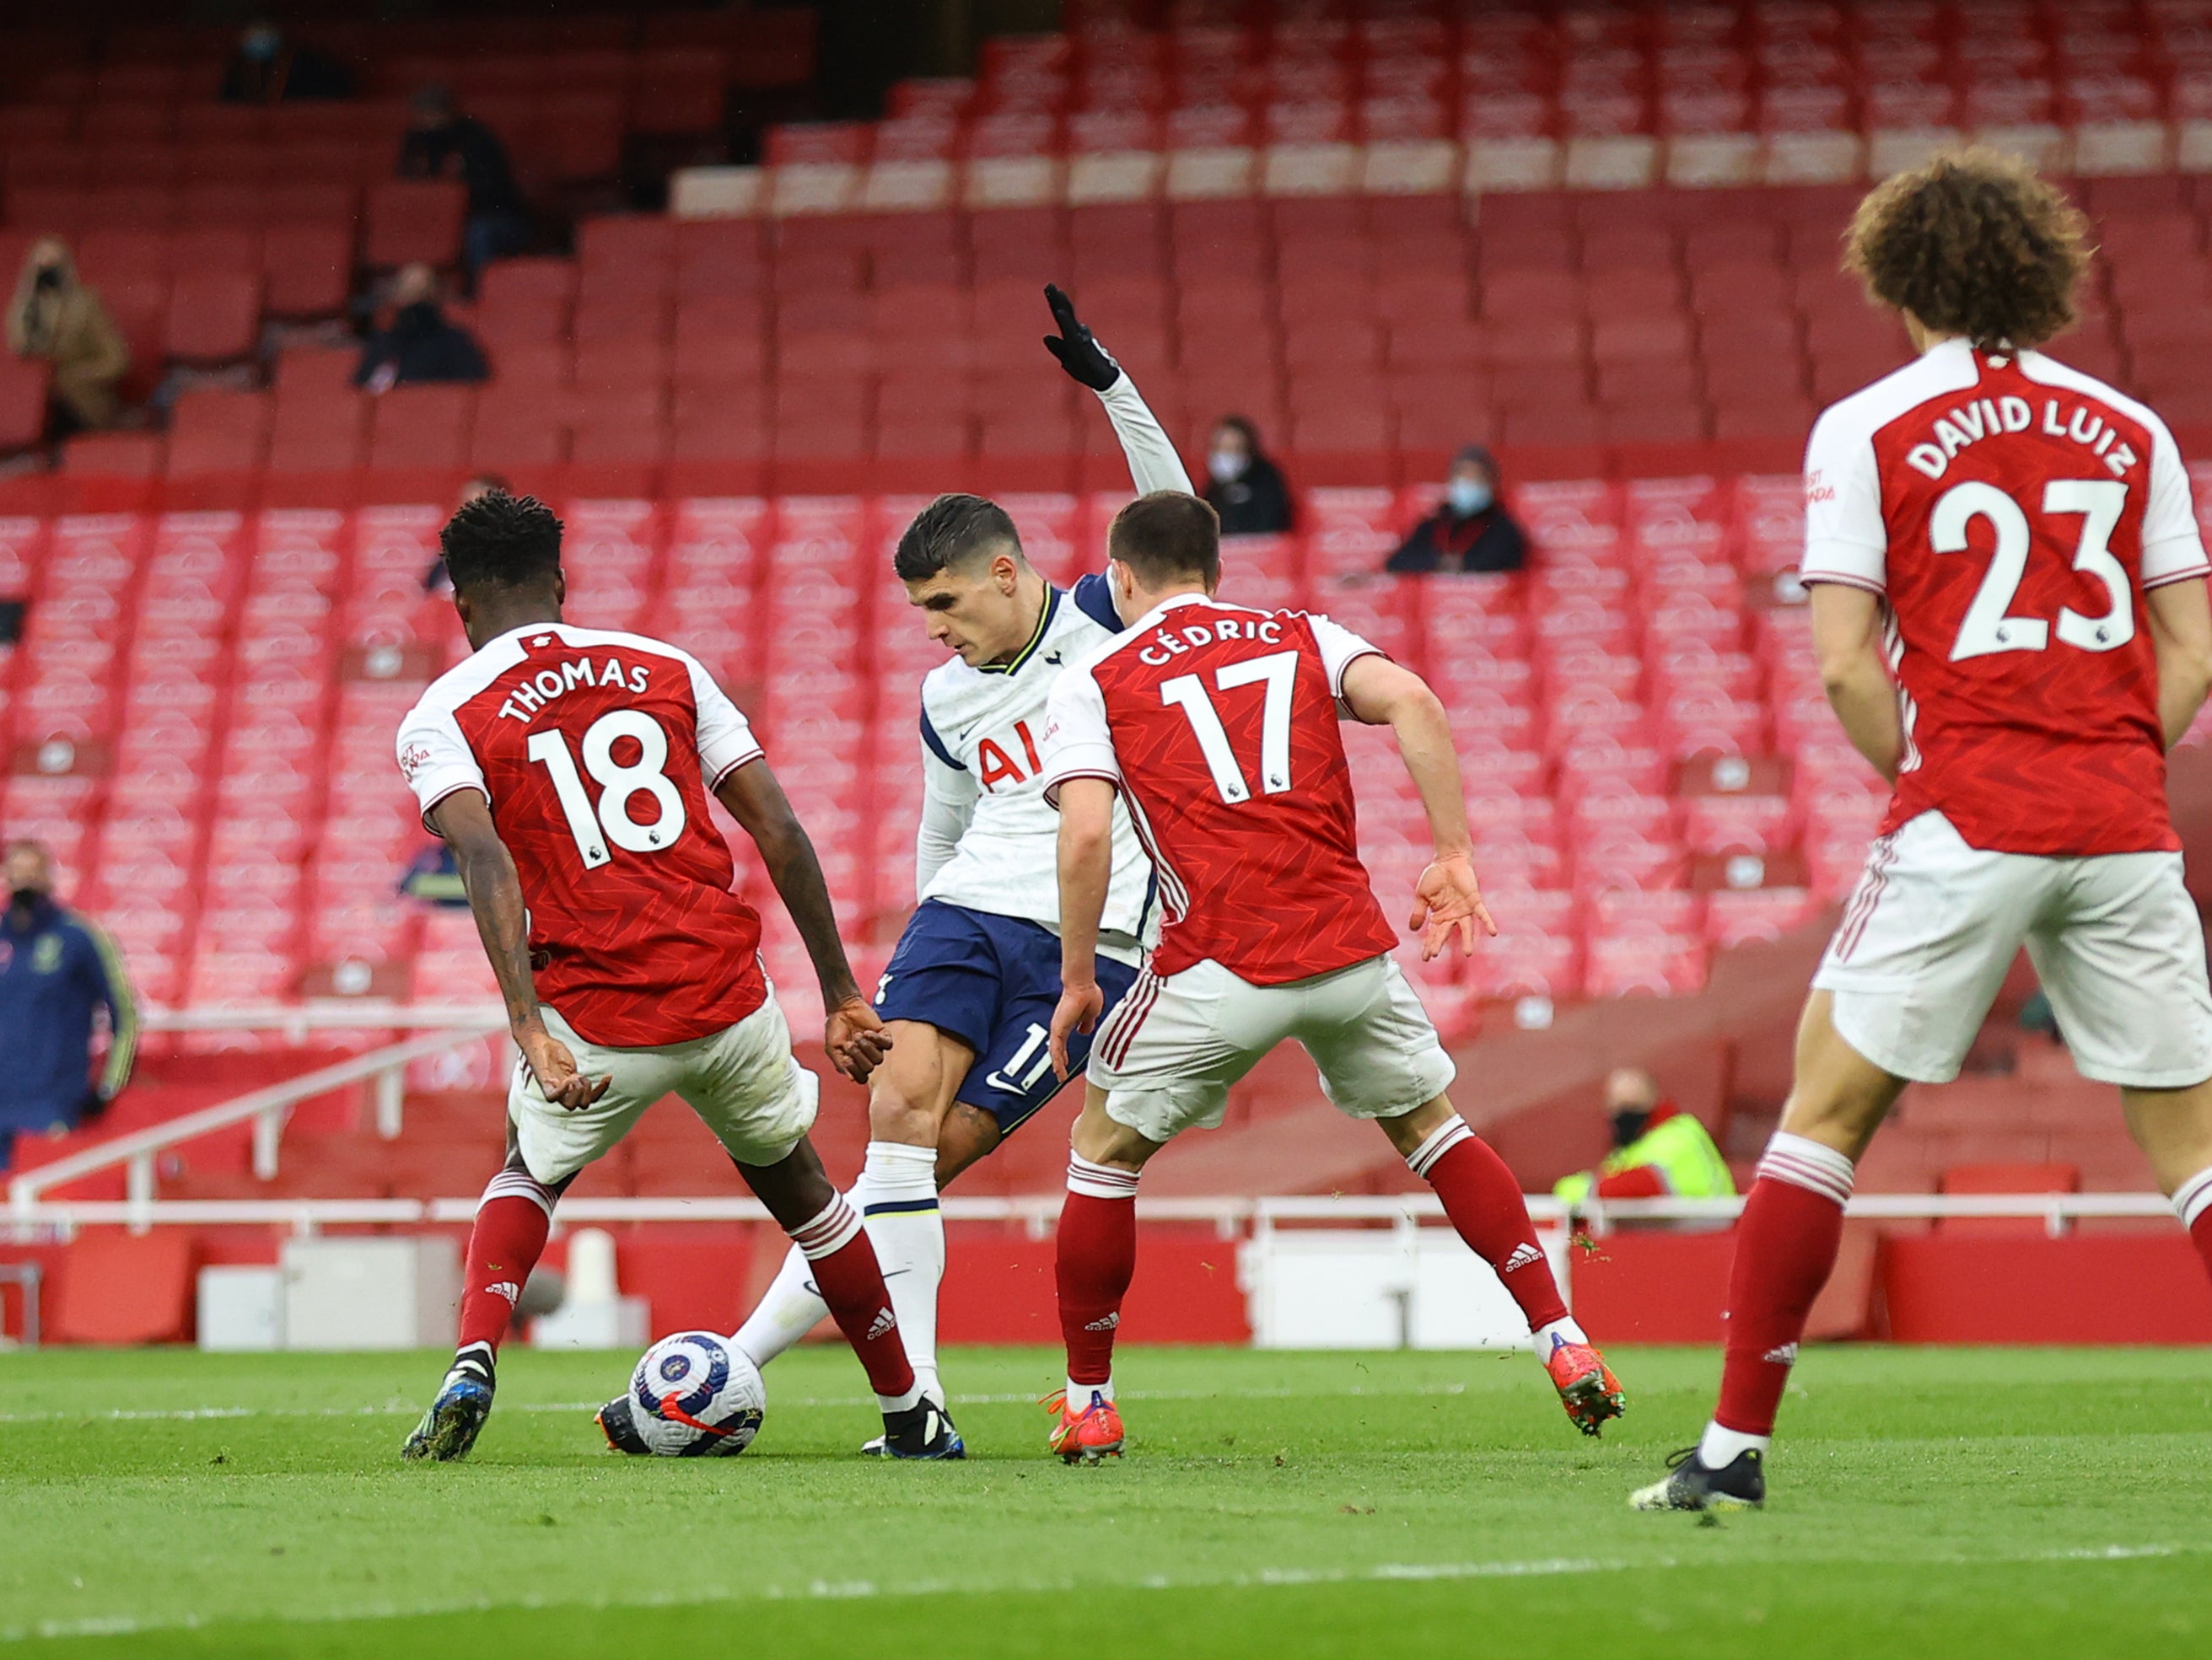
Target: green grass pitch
(1926,1502)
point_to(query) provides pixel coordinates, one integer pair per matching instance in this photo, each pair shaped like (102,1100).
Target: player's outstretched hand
(1449,898)
(855,1038)
(1078,1011)
(1077,348)
(554,1068)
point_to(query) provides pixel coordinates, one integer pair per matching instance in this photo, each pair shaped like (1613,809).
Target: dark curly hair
(503,540)
(1972,244)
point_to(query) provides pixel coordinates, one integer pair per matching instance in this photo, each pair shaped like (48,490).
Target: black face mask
(1628,1125)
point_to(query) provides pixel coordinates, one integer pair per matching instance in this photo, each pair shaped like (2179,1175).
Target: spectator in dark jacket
(1471,531)
(419,345)
(443,143)
(267,68)
(1242,486)
(56,971)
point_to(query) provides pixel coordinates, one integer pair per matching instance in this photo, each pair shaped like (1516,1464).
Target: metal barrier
(1037,1213)
(266,1108)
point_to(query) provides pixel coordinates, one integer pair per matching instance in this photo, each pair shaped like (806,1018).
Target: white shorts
(743,1083)
(1169,1054)
(1933,927)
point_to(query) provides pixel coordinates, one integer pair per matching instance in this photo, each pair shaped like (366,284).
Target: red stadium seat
(307,268)
(215,315)
(22,402)
(414,219)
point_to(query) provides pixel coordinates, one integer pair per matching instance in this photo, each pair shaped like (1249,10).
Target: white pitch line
(1378,1574)
(402,1409)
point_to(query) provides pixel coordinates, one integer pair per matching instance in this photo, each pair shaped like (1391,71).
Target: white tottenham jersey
(989,839)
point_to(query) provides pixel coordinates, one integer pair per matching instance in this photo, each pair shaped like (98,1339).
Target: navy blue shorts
(992,982)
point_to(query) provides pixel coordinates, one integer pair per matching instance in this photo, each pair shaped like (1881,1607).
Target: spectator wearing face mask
(268,68)
(56,317)
(1242,486)
(1659,1151)
(1471,530)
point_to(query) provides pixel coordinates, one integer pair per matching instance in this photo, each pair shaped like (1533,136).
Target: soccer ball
(696,1395)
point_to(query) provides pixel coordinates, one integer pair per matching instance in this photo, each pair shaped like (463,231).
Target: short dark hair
(501,540)
(951,530)
(1168,537)
(1972,244)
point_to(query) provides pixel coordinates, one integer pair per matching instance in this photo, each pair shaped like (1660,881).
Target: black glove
(1080,355)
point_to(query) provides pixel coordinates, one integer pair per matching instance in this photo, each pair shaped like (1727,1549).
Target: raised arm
(852,1035)
(1153,463)
(1847,641)
(1447,897)
(2181,631)
(494,891)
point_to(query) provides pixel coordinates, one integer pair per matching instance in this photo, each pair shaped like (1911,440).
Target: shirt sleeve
(2172,547)
(1077,742)
(725,736)
(1340,649)
(435,760)
(122,1013)
(1845,538)
(948,802)
(1153,463)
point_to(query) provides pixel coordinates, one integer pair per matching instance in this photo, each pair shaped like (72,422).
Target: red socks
(1786,1249)
(851,1281)
(504,1244)
(1097,1255)
(1483,1199)
(2192,1202)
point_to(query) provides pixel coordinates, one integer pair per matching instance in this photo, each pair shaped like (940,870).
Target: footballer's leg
(1379,1057)
(1785,1248)
(2173,1127)
(791,1306)
(1164,1061)
(750,1091)
(1095,1259)
(910,1096)
(546,1147)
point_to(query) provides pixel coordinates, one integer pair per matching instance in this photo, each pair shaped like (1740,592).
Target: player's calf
(505,1242)
(1483,1202)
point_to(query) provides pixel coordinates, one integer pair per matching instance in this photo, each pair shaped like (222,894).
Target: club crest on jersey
(539,689)
(1168,644)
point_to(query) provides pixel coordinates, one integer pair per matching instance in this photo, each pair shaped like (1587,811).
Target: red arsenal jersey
(1218,725)
(597,752)
(2012,512)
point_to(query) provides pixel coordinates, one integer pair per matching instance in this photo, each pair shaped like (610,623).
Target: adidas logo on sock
(506,1288)
(1109,1323)
(1786,1355)
(1523,1255)
(885,1321)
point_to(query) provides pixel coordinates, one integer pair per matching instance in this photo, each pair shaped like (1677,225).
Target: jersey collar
(1048,611)
(1169,604)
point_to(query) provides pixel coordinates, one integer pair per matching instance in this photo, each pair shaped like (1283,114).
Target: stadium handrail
(327,1015)
(1038,1212)
(266,1108)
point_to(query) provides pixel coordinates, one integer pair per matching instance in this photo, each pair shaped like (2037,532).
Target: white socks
(908,1231)
(1718,1448)
(1546,1337)
(898,1195)
(1079,1395)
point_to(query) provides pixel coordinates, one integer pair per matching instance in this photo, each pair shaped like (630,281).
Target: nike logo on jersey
(1053,661)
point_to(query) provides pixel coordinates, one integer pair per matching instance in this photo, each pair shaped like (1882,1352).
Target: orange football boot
(1084,1437)
(1587,1389)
